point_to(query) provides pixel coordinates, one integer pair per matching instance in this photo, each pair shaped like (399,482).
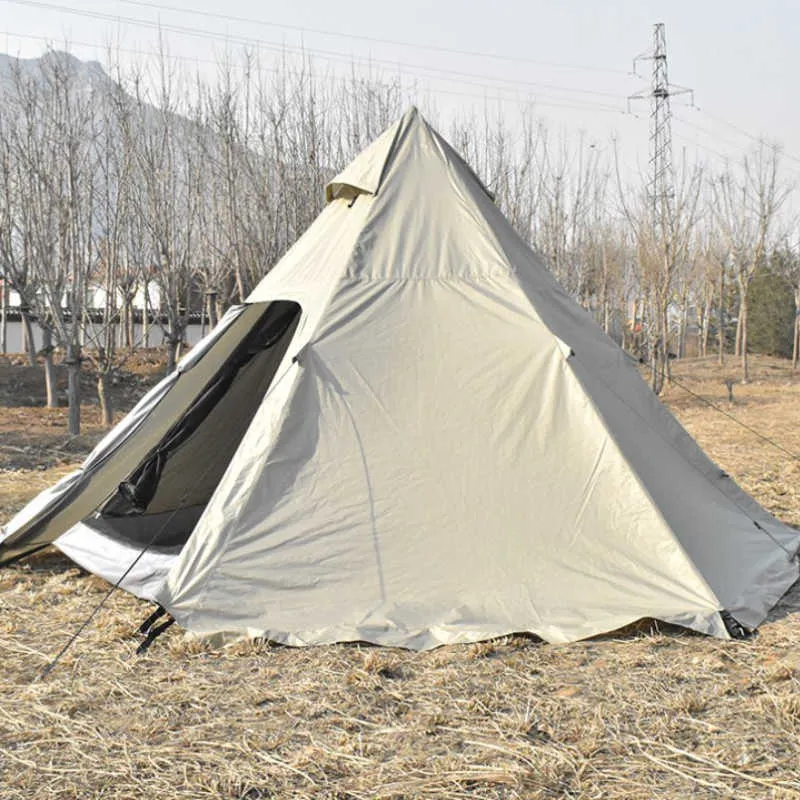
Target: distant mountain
(90,73)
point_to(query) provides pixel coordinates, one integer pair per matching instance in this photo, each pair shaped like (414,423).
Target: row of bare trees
(647,273)
(119,188)
(154,184)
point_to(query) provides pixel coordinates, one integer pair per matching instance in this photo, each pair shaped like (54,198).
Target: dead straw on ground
(648,712)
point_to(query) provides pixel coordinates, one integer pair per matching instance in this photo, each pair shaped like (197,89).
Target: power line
(419,70)
(727,158)
(743,132)
(722,156)
(730,125)
(439,73)
(412,70)
(707,132)
(373,39)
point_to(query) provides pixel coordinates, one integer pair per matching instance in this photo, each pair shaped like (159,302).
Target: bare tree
(745,209)
(116,274)
(50,171)
(70,111)
(167,180)
(15,250)
(662,246)
(786,262)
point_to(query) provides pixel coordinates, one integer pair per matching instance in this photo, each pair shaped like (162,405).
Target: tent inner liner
(169,490)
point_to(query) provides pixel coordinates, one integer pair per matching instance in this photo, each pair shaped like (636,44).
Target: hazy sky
(572,57)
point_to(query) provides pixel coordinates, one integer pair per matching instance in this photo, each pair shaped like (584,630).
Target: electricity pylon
(660,191)
(661,188)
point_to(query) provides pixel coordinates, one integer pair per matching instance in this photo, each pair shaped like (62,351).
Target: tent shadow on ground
(49,560)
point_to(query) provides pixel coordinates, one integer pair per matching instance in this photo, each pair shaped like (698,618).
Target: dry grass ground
(642,714)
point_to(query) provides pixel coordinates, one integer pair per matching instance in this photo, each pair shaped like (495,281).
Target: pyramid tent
(410,435)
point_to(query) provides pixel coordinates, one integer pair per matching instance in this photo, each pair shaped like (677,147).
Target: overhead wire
(537,99)
(421,70)
(495,88)
(726,158)
(163,7)
(706,131)
(373,39)
(745,133)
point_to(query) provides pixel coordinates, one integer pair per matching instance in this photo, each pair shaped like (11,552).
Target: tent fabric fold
(441,447)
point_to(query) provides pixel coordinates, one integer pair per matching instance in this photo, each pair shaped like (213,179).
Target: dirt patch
(769,407)
(33,437)
(653,712)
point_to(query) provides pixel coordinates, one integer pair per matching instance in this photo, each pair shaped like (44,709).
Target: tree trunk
(737,345)
(743,322)
(73,363)
(4,318)
(706,323)
(172,350)
(654,345)
(721,315)
(132,327)
(606,310)
(173,345)
(146,317)
(665,365)
(683,327)
(128,324)
(654,372)
(796,347)
(212,310)
(104,397)
(28,342)
(121,319)
(740,279)
(633,341)
(49,367)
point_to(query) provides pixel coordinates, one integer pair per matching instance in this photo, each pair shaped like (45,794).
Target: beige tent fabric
(457,451)
(450,449)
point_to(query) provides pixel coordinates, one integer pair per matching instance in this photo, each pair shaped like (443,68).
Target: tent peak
(365,173)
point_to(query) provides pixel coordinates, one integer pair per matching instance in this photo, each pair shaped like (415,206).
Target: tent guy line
(153,539)
(763,437)
(49,667)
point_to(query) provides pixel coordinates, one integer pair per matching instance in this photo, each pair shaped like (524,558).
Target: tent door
(180,474)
